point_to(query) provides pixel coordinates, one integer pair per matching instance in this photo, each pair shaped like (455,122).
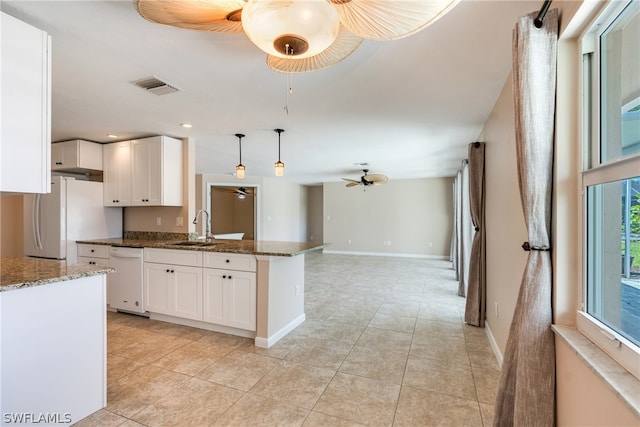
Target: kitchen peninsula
(52,340)
(248,288)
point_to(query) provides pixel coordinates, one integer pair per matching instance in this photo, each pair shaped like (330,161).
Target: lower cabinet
(230,298)
(174,290)
(183,283)
(93,254)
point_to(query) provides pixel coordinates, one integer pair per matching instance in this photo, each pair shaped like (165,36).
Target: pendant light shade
(240,168)
(279,164)
(291,28)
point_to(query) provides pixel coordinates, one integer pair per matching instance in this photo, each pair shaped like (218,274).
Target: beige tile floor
(384,344)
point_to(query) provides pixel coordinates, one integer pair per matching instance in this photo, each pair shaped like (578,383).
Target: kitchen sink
(194,243)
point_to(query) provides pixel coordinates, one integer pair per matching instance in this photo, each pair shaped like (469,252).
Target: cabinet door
(25,86)
(140,179)
(63,155)
(187,292)
(157,284)
(214,296)
(117,174)
(241,300)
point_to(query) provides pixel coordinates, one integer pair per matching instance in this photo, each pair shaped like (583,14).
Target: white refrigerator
(72,211)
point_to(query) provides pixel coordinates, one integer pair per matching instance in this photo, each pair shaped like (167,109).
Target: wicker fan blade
(353,184)
(377,178)
(343,46)
(351,180)
(221,16)
(390,20)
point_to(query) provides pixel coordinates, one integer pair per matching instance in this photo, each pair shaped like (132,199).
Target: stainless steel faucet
(207,227)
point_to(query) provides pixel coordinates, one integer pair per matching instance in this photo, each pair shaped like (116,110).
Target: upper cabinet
(150,172)
(76,156)
(25,91)
(117,173)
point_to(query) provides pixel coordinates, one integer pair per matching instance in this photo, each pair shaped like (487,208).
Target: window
(610,313)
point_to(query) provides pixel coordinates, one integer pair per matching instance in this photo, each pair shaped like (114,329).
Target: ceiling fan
(367,179)
(300,35)
(240,192)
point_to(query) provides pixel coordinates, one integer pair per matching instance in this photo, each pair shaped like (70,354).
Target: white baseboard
(268,342)
(493,344)
(388,254)
(203,325)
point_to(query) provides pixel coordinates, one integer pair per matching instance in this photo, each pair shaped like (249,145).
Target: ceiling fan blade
(353,184)
(221,16)
(351,180)
(390,20)
(377,178)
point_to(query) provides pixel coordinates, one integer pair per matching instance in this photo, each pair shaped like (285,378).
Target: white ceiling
(407,107)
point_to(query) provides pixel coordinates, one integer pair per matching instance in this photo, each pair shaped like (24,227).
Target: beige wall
(415,215)
(505,226)
(582,398)
(144,218)
(11,228)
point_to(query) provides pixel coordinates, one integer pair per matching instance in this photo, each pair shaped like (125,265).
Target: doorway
(233,210)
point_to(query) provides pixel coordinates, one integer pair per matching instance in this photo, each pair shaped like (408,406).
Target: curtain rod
(543,11)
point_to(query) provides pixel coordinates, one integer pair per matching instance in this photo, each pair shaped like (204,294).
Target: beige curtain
(476,289)
(526,391)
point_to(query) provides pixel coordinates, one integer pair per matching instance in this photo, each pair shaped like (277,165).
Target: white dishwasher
(124,286)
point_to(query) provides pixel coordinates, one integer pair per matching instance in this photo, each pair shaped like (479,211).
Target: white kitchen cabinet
(117,173)
(175,290)
(171,288)
(156,171)
(230,298)
(229,292)
(93,254)
(25,113)
(76,156)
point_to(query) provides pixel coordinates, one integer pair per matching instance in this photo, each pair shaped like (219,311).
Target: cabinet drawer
(103,262)
(230,261)
(93,251)
(174,257)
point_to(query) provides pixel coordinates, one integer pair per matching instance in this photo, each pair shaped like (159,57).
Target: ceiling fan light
(279,168)
(291,28)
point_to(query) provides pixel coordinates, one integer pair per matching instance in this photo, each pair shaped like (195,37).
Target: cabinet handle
(229,277)
(168,271)
(92,250)
(224,276)
(228,261)
(172,271)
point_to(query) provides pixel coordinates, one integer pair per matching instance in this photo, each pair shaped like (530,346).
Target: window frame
(593,172)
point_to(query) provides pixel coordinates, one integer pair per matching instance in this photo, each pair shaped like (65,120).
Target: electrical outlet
(497,311)
(297,290)
(349,241)
(430,244)
(158,220)
(179,221)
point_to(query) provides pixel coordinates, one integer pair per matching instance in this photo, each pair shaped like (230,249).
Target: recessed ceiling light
(186,125)
(112,135)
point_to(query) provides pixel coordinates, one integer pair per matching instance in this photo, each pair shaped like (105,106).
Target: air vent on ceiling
(155,85)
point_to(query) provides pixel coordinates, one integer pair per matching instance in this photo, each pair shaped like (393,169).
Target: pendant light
(240,167)
(279,164)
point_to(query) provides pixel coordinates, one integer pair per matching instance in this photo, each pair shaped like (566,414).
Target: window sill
(618,379)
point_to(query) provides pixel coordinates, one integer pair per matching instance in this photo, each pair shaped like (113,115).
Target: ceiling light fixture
(319,33)
(110,135)
(240,168)
(186,125)
(279,164)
